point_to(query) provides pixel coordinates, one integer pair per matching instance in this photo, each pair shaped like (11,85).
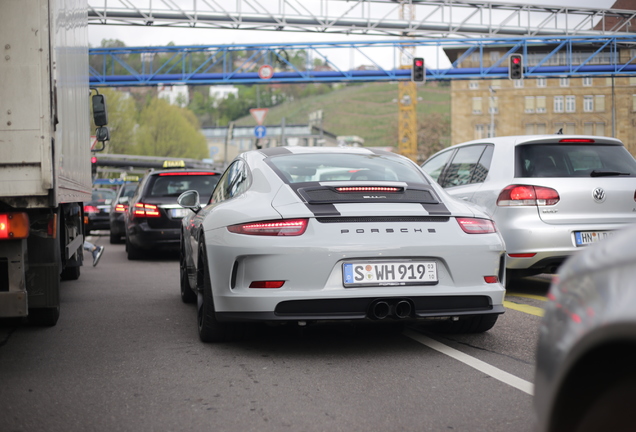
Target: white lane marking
(503,376)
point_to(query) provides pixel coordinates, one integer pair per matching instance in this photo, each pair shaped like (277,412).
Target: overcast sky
(134,36)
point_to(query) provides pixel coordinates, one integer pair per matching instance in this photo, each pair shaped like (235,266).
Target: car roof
(514,140)
(274,151)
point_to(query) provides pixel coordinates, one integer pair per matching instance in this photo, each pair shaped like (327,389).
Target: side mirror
(190,200)
(100,115)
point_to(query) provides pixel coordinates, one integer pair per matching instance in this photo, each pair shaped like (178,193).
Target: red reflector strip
(367,189)
(476,225)
(267,284)
(522,255)
(191,173)
(576,140)
(14,226)
(491,279)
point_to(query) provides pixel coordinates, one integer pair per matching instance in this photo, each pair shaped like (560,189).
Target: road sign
(260,131)
(259,114)
(266,72)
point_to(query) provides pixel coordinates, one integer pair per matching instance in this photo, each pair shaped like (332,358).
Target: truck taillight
(526,195)
(146,210)
(285,227)
(14,226)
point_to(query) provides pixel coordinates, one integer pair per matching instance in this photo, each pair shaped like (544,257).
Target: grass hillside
(369,110)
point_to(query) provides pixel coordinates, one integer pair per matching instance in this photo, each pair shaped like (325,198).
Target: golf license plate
(398,273)
(584,238)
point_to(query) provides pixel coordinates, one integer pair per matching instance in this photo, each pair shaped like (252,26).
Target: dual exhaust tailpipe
(398,308)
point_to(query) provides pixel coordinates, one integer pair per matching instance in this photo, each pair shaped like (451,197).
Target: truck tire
(71,273)
(44,317)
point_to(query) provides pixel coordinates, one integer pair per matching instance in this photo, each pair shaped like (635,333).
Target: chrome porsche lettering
(386,230)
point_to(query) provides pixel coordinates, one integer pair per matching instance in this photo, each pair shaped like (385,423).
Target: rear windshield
(573,160)
(173,184)
(323,167)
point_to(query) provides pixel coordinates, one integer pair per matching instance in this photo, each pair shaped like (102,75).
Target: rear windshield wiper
(595,173)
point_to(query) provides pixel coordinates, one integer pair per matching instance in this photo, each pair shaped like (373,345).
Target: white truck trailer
(45,172)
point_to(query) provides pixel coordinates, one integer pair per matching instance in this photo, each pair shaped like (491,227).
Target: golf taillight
(14,226)
(146,210)
(121,208)
(526,195)
(285,227)
(476,225)
(491,279)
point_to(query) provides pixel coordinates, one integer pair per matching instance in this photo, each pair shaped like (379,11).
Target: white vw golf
(306,234)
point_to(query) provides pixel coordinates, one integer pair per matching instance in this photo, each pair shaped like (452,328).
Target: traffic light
(418,72)
(515,67)
(93,166)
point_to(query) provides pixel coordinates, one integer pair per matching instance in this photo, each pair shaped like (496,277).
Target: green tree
(171,131)
(433,134)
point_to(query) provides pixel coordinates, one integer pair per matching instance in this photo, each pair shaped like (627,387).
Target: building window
(479,131)
(634,102)
(496,83)
(473,84)
(530,129)
(599,103)
(494,105)
(600,129)
(518,83)
(570,129)
(474,57)
(632,81)
(540,101)
(588,128)
(529,104)
(491,131)
(564,82)
(570,104)
(588,103)
(542,82)
(587,82)
(541,128)
(558,127)
(477,105)
(558,104)
(608,82)
(494,56)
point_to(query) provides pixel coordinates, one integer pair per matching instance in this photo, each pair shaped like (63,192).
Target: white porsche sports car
(311,234)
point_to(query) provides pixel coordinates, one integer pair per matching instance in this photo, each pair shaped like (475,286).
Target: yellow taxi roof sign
(174,164)
(131,178)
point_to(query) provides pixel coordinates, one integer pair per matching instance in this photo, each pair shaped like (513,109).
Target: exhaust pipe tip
(380,310)
(403,309)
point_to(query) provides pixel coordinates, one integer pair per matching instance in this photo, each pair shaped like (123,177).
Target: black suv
(153,218)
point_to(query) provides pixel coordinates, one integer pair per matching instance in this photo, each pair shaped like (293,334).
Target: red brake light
(286,227)
(491,279)
(14,226)
(267,284)
(521,255)
(525,195)
(367,189)
(146,210)
(576,140)
(121,208)
(90,209)
(476,225)
(191,173)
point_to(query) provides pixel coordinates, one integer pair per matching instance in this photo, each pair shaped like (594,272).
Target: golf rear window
(573,160)
(324,167)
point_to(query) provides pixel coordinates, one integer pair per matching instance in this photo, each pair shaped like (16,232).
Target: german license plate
(584,238)
(179,213)
(389,273)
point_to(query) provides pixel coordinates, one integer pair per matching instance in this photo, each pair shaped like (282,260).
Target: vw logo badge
(599,195)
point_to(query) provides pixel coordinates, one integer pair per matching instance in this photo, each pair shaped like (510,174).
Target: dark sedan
(118,209)
(153,218)
(97,210)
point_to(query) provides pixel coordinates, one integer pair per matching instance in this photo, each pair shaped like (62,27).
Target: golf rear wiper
(595,173)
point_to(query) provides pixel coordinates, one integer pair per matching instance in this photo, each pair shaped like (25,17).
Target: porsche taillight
(14,226)
(476,225)
(145,210)
(526,195)
(285,227)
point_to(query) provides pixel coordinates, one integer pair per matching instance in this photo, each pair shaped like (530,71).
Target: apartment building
(594,105)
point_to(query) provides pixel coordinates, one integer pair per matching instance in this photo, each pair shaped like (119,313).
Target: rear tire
(187,294)
(473,324)
(133,252)
(211,330)
(71,273)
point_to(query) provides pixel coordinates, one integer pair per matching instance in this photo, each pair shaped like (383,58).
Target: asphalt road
(125,356)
